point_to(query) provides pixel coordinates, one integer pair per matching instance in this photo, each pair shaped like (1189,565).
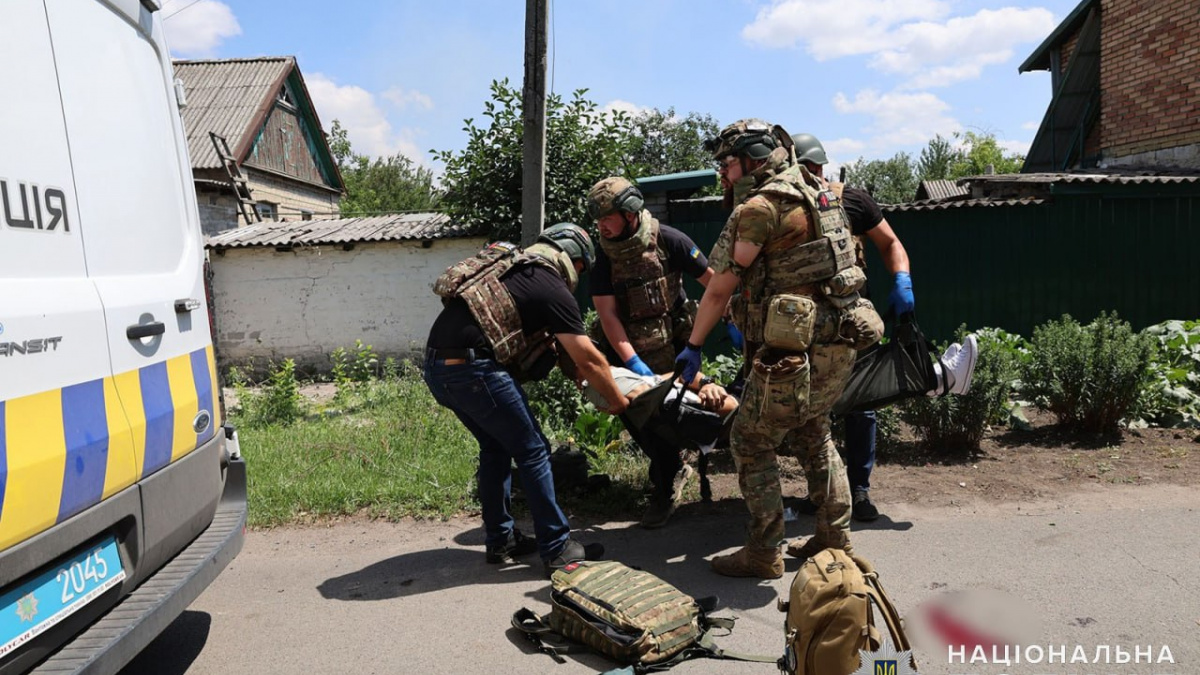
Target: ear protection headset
(630,199)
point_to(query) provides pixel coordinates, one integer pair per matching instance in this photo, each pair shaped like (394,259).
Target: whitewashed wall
(303,304)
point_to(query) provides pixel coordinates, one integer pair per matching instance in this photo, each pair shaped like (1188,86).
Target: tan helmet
(751,137)
(614,194)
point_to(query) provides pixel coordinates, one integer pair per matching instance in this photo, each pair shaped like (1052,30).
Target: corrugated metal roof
(226,97)
(399,227)
(1113,178)
(933,205)
(941,189)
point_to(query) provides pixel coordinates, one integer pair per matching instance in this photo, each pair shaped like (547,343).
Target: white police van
(121,495)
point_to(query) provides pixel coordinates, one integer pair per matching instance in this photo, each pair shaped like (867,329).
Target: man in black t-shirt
(469,365)
(643,314)
(866,221)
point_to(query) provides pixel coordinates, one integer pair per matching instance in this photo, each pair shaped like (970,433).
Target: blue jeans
(860,449)
(494,409)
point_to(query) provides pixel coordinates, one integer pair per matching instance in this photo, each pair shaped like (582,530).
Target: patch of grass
(397,454)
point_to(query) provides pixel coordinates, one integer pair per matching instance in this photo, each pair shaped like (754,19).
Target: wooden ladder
(237,179)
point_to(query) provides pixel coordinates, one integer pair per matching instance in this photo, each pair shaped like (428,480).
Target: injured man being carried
(696,421)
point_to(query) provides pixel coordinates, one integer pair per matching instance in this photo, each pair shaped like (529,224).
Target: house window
(305,214)
(286,99)
(267,210)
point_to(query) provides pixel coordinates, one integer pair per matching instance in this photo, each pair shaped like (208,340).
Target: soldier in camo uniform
(788,252)
(643,315)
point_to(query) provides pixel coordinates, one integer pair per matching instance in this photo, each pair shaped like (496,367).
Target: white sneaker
(960,363)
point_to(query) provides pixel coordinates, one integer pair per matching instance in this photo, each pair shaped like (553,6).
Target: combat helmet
(809,149)
(751,137)
(614,194)
(572,240)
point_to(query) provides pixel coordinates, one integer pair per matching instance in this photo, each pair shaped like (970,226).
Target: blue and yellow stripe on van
(64,450)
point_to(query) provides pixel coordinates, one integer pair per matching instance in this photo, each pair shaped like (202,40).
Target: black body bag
(884,374)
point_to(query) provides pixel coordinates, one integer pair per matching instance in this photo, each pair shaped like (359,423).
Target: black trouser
(665,460)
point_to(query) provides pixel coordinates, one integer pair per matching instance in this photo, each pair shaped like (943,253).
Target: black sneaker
(804,507)
(863,510)
(517,545)
(573,551)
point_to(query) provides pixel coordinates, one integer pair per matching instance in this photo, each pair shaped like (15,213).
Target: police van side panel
(112,459)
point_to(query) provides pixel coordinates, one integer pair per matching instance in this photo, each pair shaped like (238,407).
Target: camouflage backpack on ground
(830,620)
(628,615)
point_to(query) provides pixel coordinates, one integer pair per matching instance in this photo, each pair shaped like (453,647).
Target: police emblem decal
(886,661)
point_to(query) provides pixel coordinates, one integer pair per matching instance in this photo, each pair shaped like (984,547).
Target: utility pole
(533,106)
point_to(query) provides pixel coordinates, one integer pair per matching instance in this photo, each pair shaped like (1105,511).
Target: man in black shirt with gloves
(506,313)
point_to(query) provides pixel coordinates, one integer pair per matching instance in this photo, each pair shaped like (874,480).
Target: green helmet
(809,149)
(572,240)
(614,194)
(750,137)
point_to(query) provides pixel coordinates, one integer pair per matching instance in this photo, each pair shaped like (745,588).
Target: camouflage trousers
(756,443)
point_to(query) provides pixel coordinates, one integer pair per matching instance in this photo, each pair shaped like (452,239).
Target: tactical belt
(468,355)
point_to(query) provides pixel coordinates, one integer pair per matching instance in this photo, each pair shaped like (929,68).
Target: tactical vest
(860,254)
(477,280)
(645,291)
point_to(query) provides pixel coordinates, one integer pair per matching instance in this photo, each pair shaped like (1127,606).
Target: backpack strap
(884,604)
(705,647)
(535,629)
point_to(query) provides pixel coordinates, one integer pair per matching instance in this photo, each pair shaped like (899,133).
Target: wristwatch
(705,381)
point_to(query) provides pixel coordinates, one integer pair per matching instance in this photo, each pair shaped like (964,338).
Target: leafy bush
(1172,398)
(1090,377)
(357,366)
(723,368)
(595,429)
(955,424)
(556,403)
(278,402)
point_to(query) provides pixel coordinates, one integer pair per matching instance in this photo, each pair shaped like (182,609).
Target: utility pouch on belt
(778,386)
(647,299)
(860,326)
(789,322)
(845,283)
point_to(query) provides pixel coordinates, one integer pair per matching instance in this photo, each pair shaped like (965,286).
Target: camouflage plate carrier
(646,294)
(628,615)
(821,268)
(477,280)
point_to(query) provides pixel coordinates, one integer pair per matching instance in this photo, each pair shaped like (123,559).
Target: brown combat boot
(812,547)
(762,563)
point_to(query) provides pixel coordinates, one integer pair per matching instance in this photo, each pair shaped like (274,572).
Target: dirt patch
(1013,466)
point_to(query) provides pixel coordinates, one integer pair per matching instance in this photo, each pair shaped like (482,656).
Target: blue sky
(868,77)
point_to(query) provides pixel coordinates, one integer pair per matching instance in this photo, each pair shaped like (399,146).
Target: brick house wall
(291,196)
(1150,79)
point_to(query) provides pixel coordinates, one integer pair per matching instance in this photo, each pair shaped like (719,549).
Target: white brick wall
(305,303)
(291,197)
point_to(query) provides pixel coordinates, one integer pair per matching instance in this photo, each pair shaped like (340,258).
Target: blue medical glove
(637,365)
(735,336)
(902,294)
(690,358)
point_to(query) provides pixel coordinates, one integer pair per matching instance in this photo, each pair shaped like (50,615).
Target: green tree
(979,151)
(664,143)
(890,181)
(936,160)
(383,185)
(483,181)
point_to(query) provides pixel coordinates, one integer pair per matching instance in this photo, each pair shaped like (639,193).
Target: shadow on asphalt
(174,650)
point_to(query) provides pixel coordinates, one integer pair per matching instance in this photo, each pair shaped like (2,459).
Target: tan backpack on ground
(830,618)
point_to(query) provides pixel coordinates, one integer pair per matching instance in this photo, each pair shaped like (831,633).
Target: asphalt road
(1113,566)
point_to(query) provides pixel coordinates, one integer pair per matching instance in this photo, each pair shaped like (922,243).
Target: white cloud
(1031,126)
(402,98)
(367,127)
(1015,147)
(899,118)
(197,30)
(916,39)
(625,106)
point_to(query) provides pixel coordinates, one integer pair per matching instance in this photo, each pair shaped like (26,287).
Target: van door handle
(145,330)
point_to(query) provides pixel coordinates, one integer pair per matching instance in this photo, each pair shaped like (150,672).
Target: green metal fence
(1088,248)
